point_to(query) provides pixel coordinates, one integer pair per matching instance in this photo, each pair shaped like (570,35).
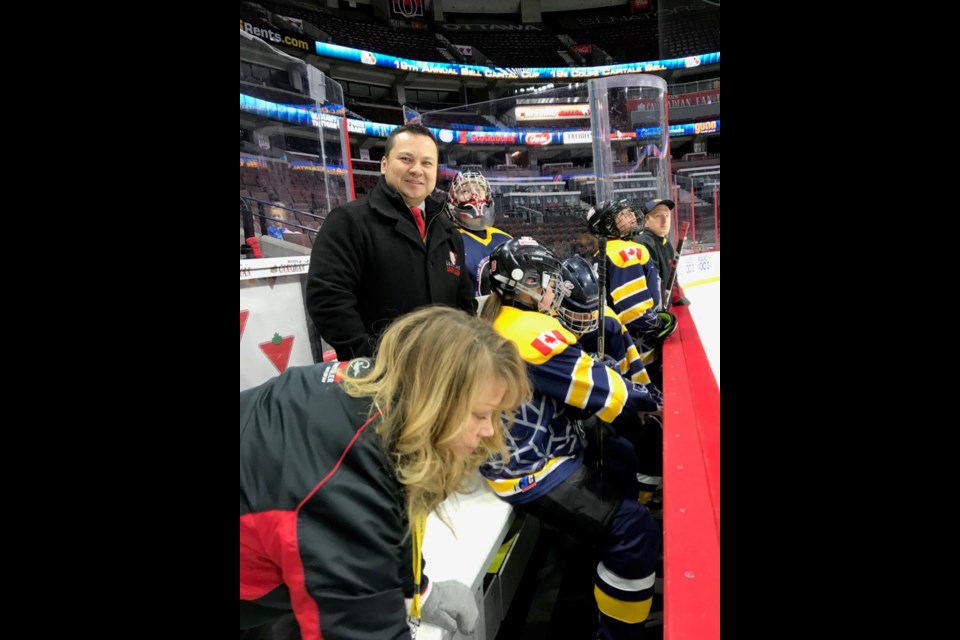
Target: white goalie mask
(470,204)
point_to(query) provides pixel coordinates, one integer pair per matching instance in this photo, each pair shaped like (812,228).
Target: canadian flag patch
(545,343)
(628,253)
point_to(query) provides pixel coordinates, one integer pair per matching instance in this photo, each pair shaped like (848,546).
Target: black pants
(626,536)
(286,628)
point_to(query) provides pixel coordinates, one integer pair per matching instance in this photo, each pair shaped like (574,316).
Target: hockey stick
(676,264)
(602,296)
(601,330)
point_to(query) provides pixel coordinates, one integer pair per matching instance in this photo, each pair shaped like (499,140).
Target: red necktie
(418,218)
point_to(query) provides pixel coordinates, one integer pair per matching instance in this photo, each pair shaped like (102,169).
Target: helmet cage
(579,322)
(522,265)
(602,219)
(469,203)
(578,309)
(535,284)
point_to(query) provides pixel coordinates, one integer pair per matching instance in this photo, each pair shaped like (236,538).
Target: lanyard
(418,528)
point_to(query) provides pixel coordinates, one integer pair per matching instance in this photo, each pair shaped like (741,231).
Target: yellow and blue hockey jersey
(477,250)
(620,346)
(544,444)
(633,284)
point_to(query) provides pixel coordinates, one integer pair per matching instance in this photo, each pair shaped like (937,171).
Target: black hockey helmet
(602,219)
(578,309)
(522,265)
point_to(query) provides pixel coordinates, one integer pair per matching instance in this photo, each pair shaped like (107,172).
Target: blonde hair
(429,367)
(277,211)
(491,307)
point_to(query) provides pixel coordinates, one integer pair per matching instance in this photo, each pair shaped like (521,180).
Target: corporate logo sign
(408,8)
(282,38)
(490,27)
(553,112)
(537,138)
(492,137)
(577,137)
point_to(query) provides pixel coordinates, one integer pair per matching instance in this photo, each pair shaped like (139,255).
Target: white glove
(451,606)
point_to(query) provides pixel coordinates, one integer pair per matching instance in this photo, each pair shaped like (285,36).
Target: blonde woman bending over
(340,463)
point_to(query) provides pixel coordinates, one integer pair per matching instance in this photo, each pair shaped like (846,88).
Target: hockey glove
(611,362)
(658,413)
(451,606)
(668,325)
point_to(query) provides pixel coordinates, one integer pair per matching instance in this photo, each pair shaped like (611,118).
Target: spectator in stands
(277,226)
(470,206)
(657,217)
(409,427)
(544,473)
(273,222)
(632,280)
(388,253)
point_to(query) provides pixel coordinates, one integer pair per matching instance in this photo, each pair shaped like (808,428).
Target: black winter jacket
(322,516)
(369,266)
(662,253)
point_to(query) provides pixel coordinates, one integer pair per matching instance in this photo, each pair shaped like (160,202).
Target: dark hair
(415,129)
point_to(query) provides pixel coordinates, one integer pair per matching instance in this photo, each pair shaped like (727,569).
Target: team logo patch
(526,483)
(408,8)
(331,374)
(630,255)
(547,342)
(452,266)
(357,367)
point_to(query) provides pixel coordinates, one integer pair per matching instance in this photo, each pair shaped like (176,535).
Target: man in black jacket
(657,216)
(388,253)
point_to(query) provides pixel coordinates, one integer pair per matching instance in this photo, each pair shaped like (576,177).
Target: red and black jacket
(322,517)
